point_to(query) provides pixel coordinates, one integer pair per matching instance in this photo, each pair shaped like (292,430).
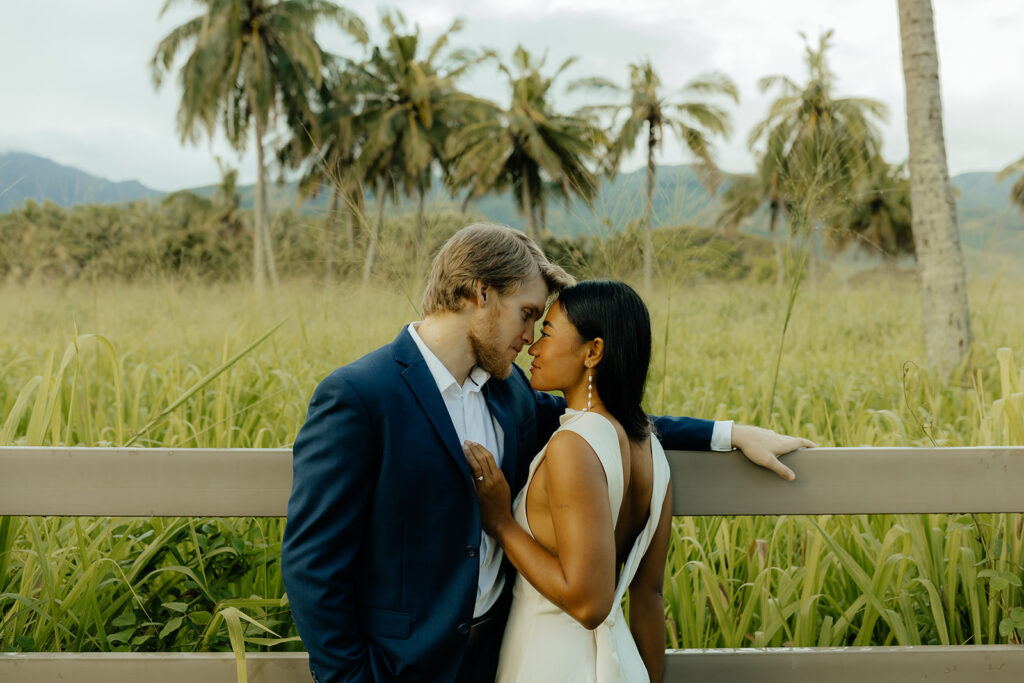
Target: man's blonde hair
(495,255)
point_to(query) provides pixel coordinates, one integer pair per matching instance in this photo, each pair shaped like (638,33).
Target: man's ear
(483,293)
(595,353)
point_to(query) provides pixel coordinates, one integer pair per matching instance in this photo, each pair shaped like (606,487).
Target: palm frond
(167,49)
(1015,167)
(784,83)
(594,83)
(713,83)
(442,41)
(713,119)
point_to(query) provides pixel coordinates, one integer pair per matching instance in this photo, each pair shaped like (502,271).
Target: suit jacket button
(471,551)
(463,628)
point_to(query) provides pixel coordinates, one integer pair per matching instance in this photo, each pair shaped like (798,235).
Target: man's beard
(490,356)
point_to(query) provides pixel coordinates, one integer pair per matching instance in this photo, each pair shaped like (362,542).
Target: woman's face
(558,354)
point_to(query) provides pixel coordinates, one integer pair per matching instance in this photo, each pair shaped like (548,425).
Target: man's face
(504,324)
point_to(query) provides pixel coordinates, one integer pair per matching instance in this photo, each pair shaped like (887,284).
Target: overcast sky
(75,84)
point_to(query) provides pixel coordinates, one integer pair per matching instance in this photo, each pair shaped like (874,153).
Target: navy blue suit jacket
(379,557)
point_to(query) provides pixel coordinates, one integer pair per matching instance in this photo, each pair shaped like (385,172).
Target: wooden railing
(256,483)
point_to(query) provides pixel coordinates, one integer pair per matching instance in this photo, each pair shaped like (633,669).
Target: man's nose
(528,333)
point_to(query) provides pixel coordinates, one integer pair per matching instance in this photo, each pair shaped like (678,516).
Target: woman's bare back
(636,500)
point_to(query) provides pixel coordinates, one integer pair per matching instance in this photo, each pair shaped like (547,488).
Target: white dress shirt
(473,421)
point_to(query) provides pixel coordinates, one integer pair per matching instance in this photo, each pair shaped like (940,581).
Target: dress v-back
(542,642)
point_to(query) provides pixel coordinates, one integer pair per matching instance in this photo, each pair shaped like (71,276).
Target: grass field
(103,363)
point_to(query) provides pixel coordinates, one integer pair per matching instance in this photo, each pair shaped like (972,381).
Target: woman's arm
(646,602)
(580,579)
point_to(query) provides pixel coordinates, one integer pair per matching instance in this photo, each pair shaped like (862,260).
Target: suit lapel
(424,388)
(493,392)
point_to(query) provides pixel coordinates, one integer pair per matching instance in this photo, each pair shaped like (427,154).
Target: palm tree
(328,157)
(878,216)
(875,214)
(250,60)
(946,316)
(748,193)
(222,209)
(650,110)
(741,199)
(1017,191)
(529,147)
(409,102)
(815,145)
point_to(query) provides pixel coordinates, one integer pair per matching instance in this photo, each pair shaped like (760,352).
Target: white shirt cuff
(721,436)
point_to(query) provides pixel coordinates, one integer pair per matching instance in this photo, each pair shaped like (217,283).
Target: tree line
(394,121)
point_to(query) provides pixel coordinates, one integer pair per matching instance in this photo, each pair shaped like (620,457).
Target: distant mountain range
(26,176)
(987,220)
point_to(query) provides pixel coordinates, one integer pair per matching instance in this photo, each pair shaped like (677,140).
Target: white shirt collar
(446,383)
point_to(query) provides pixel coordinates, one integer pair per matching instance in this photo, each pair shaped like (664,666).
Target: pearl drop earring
(590,389)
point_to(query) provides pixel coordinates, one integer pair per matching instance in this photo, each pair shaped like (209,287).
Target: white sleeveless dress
(543,643)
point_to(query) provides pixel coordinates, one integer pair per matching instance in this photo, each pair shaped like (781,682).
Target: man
(388,573)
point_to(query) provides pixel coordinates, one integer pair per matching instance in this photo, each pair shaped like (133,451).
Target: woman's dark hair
(616,313)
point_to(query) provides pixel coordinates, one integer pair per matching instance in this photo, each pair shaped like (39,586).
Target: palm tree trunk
(351,223)
(268,250)
(260,211)
(375,232)
(543,211)
(420,224)
(355,198)
(262,225)
(649,211)
(780,263)
(730,229)
(271,261)
(531,229)
(329,226)
(946,316)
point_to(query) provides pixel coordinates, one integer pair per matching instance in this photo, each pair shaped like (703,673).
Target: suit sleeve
(334,470)
(549,409)
(675,433)
(683,433)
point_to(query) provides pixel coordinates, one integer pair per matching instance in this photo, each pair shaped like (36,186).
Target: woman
(594,516)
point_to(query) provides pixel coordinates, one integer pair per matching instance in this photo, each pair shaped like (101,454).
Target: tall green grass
(182,364)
